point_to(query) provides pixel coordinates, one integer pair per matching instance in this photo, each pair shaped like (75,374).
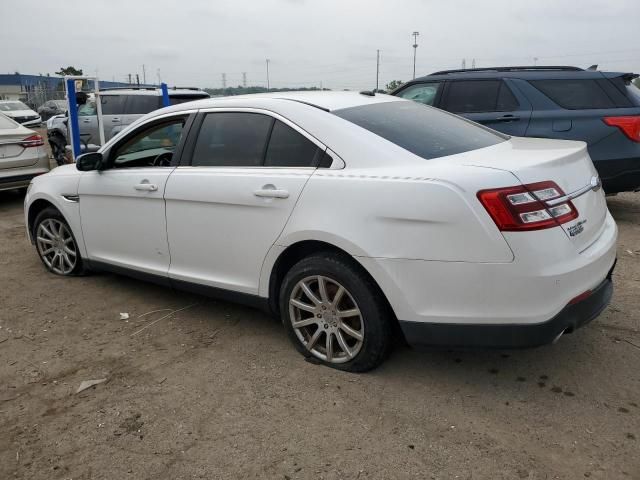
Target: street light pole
(415,49)
(378,71)
(268,86)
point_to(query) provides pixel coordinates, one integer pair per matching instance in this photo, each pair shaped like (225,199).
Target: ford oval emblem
(595,183)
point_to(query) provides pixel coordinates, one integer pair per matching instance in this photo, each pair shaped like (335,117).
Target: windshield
(424,131)
(12,106)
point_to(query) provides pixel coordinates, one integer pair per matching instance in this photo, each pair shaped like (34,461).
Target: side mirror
(89,161)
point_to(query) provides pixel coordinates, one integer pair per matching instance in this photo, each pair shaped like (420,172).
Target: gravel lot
(217,391)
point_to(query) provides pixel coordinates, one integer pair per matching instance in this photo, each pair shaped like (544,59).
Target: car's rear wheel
(56,245)
(334,313)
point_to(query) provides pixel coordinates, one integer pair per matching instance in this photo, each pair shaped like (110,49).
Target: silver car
(22,155)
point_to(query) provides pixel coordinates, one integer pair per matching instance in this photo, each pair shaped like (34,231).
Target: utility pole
(244,79)
(137,79)
(224,80)
(159,77)
(144,75)
(415,49)
(473,63)
(464,64)
(378,71)
(129,79)
(535,61)
(268,84)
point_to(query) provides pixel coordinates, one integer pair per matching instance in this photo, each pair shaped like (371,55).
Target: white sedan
(345,214)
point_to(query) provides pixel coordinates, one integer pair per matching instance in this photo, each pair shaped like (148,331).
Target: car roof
(324,100)
(525,72)
(173,92)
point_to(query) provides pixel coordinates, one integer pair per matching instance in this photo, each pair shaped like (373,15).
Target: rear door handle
(271,193)
(115,119)
(507,118)
(146,187)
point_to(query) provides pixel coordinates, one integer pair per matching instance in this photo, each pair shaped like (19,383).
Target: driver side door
(122,208)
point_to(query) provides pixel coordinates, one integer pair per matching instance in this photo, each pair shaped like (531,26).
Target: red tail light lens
(524,207)
(32,141)
(630,126)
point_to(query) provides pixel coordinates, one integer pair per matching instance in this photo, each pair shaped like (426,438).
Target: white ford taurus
(345,214)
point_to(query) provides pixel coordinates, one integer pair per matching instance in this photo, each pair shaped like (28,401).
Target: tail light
(630,126)
(524,207)
(32,141)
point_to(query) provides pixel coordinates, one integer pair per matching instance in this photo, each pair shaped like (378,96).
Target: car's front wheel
(56,245)
(333,312)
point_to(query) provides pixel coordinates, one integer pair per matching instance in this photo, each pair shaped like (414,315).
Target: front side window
(424,92)
(87,110)
(424,131)
(150,147)
(232,139)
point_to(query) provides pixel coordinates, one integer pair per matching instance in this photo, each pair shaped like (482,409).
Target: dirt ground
(217,391)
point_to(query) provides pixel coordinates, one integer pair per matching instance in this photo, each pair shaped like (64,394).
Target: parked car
(600,108)
(20,113)
(52,107)
(22,155)
(345,214)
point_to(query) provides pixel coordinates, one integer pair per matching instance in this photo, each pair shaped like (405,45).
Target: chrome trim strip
(594,185)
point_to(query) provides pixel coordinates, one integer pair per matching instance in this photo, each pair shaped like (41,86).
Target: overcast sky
(193,42)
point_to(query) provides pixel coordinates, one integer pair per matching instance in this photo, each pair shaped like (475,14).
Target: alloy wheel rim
(326,319)
(56,246)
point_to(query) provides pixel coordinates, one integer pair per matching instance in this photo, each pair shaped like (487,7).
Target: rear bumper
(19,180)
(511,335)
(619,175)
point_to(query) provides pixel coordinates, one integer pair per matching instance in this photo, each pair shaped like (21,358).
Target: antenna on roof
(593,67)
(368,93)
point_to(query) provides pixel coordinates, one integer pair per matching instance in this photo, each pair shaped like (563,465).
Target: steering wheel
(163,160)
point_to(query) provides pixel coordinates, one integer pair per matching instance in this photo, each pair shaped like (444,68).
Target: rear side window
(424,131)
(476,96)
(141,104)
(423,92)
(112,104)
(575,94)
(287,148)
(232,140)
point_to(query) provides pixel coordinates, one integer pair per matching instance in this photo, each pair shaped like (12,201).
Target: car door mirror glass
(89,161)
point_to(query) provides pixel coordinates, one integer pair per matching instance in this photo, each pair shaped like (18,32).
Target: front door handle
(146,187)
(270,191)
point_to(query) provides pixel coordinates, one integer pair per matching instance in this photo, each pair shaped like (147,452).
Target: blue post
(165,95)
(73,118)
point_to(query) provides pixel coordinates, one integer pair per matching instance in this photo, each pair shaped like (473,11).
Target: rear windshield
(634,92)
(424,131)
(185,98)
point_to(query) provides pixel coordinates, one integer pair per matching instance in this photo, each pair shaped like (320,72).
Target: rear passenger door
(228,206)
(492,102)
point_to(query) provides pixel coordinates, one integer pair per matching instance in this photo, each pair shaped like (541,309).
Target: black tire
(52,214)
(375,315)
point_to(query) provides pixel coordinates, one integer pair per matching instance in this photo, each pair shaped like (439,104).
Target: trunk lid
(12,153)
(566,163)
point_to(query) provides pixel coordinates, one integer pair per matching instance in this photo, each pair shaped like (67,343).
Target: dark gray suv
(600,108)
